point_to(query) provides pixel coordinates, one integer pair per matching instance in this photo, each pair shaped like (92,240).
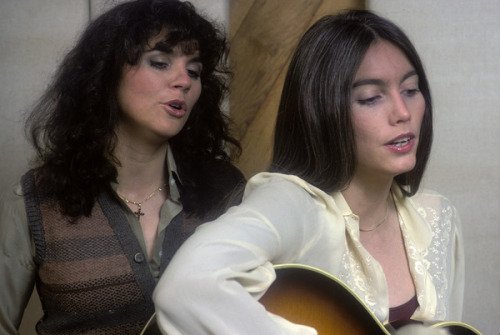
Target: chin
(405,169)
(169,130)
(404,166)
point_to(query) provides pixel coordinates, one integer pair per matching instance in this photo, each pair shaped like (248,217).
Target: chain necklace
(380,223)
(139,213)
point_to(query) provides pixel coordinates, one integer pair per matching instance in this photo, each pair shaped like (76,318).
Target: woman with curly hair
(132,155)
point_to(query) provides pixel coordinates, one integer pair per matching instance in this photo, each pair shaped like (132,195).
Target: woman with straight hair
(132,155)
(352,139)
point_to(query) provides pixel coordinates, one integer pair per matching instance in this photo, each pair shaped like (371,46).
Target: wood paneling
(264,34)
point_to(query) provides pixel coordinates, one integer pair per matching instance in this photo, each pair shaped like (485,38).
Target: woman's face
(157,94)
(387,110)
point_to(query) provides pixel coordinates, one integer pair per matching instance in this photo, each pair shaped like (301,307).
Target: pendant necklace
(139,211)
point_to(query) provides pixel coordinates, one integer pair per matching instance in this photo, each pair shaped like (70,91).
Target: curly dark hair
(72,127)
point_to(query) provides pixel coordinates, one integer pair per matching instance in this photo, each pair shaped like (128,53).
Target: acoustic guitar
(306,295)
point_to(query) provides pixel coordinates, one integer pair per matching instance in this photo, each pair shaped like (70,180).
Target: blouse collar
(409,214)
(172,170)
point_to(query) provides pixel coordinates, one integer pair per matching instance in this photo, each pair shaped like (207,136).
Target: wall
(32,40)
(460,44)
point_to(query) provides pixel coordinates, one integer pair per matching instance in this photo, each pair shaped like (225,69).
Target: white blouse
(213,284)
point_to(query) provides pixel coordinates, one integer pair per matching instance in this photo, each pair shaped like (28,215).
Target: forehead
(383,60)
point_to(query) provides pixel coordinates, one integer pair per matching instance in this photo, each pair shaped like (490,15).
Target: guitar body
(308,296)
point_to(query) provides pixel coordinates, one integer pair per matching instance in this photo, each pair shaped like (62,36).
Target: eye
(411,92)
(193,69)
(158,65)
(195,74)
(369,101)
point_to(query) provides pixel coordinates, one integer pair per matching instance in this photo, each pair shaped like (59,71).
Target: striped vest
(92,276)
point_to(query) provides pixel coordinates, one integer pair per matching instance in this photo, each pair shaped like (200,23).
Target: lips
(402,143)
(176,108)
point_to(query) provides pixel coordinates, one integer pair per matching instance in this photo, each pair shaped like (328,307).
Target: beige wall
(459,42)
(32,41)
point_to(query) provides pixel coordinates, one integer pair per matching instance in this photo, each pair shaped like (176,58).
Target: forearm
(208,286)
(213,284)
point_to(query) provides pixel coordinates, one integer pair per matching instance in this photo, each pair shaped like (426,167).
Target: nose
(180,78)
(400,112)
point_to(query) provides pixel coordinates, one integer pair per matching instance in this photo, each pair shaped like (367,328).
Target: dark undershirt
(404,311)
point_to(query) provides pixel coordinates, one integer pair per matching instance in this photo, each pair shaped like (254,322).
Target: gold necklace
(139,213)
(380,223)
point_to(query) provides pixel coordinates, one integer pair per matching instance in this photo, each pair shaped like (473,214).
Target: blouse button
(139,257)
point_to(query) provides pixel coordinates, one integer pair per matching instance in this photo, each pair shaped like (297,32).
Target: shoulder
(12,198)
(276,188)
(276,183)
(278,201)
(13,210)
(431,199)
(435,207)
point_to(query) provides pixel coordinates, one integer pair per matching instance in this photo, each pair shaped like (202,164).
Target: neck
(142,169)
(368,201)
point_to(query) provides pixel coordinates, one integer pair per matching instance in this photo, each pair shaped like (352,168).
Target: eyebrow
(168,48)
(380,82)
(196,59)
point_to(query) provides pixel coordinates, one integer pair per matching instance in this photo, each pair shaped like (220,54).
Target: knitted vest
(92,275)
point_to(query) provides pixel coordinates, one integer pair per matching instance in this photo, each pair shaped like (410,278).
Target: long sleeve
(213,283)
(16,262)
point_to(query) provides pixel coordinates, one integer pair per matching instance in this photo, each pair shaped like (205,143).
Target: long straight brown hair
(314,137)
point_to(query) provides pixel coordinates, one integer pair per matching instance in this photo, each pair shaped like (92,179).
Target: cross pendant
(139,213)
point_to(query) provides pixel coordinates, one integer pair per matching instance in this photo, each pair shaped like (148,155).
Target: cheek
(364,128)
(128,89)
(196,89)
(139,82)
(419,111)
